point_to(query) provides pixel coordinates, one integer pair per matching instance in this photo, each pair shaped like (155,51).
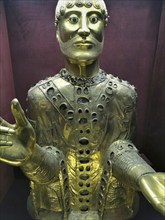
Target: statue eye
(93,19)
(73,20)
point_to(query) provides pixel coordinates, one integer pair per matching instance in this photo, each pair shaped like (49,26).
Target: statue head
(80,29)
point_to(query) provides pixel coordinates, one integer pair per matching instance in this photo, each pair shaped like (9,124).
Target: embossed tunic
(79,119)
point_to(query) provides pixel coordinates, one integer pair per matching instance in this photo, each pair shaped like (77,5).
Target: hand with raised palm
(17,141)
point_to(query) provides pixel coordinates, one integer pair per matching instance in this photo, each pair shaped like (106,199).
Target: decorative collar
(86,82)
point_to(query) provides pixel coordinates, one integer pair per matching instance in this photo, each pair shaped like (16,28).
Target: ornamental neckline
(86,82)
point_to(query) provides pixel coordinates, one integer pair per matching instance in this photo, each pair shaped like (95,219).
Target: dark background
(134,50)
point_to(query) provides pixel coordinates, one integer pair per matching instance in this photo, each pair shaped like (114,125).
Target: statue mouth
(84,44)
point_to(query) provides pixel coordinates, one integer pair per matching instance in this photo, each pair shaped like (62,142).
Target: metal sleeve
(127,165)
(43,166)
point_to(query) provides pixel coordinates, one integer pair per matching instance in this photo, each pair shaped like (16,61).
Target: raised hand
(152,186)
(16,141)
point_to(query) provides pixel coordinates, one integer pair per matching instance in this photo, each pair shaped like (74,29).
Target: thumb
(18,113)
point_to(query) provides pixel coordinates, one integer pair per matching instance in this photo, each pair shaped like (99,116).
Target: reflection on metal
(76,147)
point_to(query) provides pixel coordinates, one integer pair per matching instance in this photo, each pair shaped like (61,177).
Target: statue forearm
(43,165)
(127,165)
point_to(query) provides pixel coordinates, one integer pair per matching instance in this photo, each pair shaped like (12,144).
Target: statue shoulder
(36,92)
(122,88)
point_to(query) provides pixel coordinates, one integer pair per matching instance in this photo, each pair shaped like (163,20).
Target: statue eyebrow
(67,14)
(95,12)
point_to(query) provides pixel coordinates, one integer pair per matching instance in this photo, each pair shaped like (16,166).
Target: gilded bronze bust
(76,145)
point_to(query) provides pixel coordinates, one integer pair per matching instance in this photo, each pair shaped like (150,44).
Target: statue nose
(84,33)
(84,30)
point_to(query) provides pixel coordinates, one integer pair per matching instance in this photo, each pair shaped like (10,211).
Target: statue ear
(57,35)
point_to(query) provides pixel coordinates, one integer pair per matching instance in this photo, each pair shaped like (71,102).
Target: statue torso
(82,119)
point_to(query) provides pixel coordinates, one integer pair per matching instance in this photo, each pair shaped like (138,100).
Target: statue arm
(18,147)
(127,164)
(43,166)
(129,167)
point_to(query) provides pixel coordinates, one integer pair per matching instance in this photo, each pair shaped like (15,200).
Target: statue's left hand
(152,186)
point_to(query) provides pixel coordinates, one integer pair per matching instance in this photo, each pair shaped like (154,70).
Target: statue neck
(82,70)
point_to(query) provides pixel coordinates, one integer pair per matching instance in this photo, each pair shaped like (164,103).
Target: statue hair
(63,4)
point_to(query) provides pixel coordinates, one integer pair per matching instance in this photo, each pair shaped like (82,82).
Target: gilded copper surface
(76,145)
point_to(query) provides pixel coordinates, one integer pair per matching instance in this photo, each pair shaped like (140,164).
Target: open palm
(16,141)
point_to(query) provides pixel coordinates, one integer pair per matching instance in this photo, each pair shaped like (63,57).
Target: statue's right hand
(16,141)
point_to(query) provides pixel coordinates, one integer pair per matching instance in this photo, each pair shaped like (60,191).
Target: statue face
(80,33)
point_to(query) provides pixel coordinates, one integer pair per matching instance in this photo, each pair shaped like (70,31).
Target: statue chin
(81,62)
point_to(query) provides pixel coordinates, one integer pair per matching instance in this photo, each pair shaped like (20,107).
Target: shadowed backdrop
(134,50)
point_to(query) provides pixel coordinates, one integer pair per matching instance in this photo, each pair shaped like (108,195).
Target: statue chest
(80,115)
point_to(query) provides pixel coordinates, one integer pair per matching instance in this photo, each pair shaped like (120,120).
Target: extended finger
(4,144)
(6,130)
(5,123)
(18,113)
